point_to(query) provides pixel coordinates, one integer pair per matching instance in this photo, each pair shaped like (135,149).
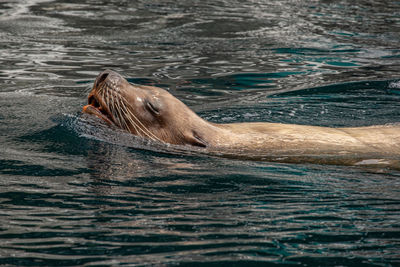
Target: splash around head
(146,111)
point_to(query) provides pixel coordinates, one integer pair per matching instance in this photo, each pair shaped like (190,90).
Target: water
(74,192)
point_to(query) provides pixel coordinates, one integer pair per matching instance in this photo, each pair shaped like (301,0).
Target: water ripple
(74,192)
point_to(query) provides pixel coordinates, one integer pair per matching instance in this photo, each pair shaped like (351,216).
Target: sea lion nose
(101,77)
(109,76)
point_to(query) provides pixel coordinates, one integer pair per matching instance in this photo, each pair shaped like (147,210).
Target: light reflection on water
(70,196)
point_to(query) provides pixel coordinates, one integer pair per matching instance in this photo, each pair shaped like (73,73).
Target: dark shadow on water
(363,87)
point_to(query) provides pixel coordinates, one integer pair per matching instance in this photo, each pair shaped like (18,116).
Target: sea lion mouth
(98,108)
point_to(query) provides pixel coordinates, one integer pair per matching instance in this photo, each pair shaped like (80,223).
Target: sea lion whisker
(149,133)
(124,118)
(109,101)
(101,88)
(113,109)
(112,106)
(128,115)
(101,93)
(134,124)
(122,114)
(121,119)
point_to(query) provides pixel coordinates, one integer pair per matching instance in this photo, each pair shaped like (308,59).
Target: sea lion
(154,113)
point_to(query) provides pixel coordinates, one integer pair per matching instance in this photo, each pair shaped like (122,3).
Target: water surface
(73,192)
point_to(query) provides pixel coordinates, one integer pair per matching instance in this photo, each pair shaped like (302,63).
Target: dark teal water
(75,193)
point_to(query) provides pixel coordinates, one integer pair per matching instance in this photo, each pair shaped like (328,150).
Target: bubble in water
(395,84)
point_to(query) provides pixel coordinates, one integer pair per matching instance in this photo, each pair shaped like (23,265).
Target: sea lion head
(145,111)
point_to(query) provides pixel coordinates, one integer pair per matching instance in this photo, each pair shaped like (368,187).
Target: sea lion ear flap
(195,140)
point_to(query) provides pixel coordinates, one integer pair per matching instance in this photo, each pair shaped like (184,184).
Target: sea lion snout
(110,77)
